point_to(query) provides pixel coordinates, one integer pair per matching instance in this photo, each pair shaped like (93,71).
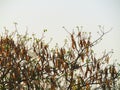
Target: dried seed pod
(47,69)
(107,59)
(82,55)
(98,66)
(84,43)
(81,43)
(106,72)
(73,42)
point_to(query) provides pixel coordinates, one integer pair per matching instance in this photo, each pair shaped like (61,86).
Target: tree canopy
(71,67)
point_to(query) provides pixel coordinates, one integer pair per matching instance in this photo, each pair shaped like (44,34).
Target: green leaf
(45,30)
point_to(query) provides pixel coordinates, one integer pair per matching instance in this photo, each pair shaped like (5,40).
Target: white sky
(53,14)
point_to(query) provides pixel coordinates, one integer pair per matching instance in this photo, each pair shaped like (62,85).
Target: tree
(71,67)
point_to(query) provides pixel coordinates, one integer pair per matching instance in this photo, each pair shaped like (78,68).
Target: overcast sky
(53,14)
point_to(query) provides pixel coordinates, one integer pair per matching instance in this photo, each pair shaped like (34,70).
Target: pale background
(54,14)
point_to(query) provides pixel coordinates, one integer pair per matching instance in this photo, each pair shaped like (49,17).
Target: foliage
(73,67)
